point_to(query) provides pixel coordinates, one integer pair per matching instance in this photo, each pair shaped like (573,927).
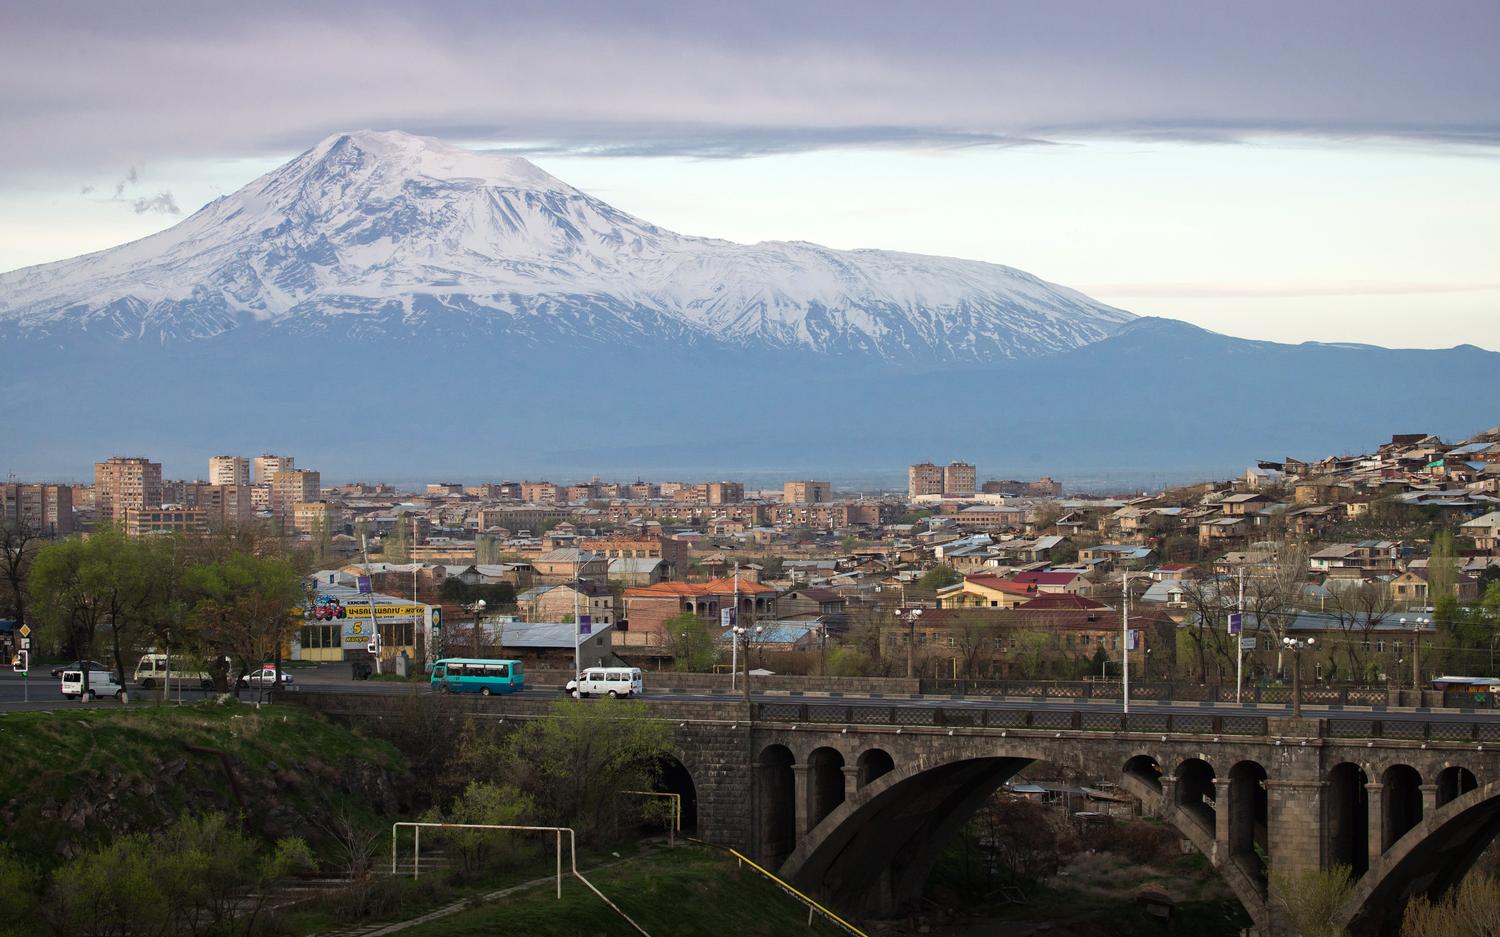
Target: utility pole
(577,622)
(1125,640)
(1239,651)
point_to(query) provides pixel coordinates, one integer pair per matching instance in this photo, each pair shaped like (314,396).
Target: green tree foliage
(937,577)
(692,641)
(1313,898)
(18,904)
(82,585)
(200,876)
(245,611)
(574,764)
(396,548)
(491,805)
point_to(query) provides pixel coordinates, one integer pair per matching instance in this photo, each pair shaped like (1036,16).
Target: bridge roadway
(854,797)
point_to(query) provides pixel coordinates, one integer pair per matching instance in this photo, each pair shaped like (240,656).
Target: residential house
(559,603)
(980,591)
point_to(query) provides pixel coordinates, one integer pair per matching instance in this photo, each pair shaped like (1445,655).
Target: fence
(1312,695)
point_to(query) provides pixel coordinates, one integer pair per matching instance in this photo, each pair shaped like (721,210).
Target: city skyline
(1127,153)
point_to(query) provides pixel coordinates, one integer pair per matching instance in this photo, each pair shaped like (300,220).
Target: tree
(396,548)
(19,543)
(574,764)
(937,577)
(1031,652)
(490,805)
(1274,591)
(1313,898)
(1442,574)
(81,585)
(1359,608)
(1207,628)
(973,633)
(692,641)
(245,613)
(1470,910)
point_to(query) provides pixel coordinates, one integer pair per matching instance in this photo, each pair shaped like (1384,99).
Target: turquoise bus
(474,675)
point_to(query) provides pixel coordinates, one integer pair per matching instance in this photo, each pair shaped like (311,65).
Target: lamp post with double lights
(1297,646)
(743,633)
(910,616)
(477,610)
(1417,624)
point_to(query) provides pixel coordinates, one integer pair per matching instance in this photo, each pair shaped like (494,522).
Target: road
(336,678)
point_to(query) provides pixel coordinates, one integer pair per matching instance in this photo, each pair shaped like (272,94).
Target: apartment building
(318,517)
(45,508)
(267,465)
(173,520)
(924,479)
(673,553)
(228,470)
(724,493)
(958,480)
(290,487)
(806,492)
(123,484)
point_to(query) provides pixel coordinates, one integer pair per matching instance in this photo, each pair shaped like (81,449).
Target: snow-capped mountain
(384,233)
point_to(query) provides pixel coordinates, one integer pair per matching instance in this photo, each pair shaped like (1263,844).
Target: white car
(606,681)
(266,676)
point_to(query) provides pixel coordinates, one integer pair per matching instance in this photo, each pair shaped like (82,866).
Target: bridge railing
(1087,720)
(1081,720)
(1154,690)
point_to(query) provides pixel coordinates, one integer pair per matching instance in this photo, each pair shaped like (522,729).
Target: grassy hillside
(682,892)
(75,779)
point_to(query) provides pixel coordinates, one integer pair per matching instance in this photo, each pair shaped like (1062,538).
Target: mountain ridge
(395,228)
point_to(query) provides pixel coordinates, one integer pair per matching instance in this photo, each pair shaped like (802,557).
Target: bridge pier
(1223,787)
(1375,797)
(804,793)
(1429,798)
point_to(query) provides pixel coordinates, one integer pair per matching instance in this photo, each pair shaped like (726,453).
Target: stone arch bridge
(855,799)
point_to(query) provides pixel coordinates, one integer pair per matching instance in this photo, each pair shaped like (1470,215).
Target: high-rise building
(958,479)
(806,492)
(266,467)
(123,484)
(44,508)
(724,493)
(924,478)
(290,487)
(228,470)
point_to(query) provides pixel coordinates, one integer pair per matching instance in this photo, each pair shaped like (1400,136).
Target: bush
(1141,842)
(486,850)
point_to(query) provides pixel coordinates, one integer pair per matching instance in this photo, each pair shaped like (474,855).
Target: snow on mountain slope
(384,231)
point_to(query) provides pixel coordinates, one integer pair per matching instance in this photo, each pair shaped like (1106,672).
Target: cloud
(726,80)
(161,202)
(1281,290)
(86,189)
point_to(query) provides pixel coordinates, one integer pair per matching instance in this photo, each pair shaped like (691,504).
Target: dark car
(81,665)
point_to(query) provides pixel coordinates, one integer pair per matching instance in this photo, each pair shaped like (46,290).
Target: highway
(336,678)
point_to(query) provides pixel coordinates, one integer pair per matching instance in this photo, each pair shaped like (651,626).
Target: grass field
(683,892)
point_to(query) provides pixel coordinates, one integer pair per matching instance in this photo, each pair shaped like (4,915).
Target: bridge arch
(777,786)
(1347,821)
(1453,782)
(1248,820)
(674,777)
(1195,794)
(825,770)
(1432,857)
(1146,771)
(1401,803)
(872,764)
(871,855)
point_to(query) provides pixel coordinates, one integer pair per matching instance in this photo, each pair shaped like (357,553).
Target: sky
(1276,170)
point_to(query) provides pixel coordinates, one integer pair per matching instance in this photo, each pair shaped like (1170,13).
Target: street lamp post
(1297,646)
(477,609)
(911,615)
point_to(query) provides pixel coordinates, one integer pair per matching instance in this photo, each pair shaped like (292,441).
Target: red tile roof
(1062,600)
(1002,585)
(1046,578)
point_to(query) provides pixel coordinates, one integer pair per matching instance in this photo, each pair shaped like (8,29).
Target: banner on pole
(585,624)
(1236,622)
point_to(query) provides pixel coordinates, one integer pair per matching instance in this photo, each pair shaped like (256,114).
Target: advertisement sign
(726,618)
(364,585)
(385,612)
(1236,622)
(585,624)
(1132,640)
(357,633)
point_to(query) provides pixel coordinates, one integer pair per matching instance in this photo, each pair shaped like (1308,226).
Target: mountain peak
(380,229)
(407,155)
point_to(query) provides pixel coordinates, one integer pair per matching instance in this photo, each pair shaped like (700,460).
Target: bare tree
(1274,592)
(1359,608)
(973,634)
(18,545)
(1209,603)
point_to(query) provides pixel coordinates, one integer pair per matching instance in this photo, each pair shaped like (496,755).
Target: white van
(151,672)
(607,681)
(101,683)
